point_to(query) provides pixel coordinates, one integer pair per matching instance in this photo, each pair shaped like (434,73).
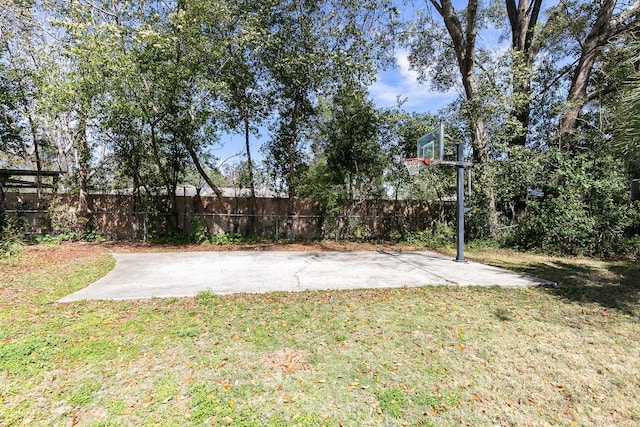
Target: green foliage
(155,85)
(624,111)
(353,155)
(199,231)
(346,141)
(584,208)
(438,236)
(225,239)
(313,48)
(56,239)
(69,236)
(10,241)
(93,236)
(9,245)
(172,236)
(10,129)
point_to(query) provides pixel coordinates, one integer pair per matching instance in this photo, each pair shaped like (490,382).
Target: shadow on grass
(614,285)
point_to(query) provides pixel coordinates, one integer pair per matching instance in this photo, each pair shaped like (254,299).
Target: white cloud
(402,59)
(401,82)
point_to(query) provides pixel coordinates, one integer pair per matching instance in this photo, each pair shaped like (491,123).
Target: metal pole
(441,142)
(460,206)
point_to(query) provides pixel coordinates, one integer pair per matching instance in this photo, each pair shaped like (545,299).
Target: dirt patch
(287,360)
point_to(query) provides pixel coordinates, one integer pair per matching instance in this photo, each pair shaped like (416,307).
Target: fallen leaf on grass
(287,360)
(189,379)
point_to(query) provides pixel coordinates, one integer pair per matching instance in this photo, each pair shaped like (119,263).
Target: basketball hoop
(414,165)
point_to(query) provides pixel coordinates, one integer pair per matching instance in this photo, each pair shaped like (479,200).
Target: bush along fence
(200,219)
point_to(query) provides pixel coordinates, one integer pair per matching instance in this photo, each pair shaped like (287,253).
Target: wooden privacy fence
(114,217)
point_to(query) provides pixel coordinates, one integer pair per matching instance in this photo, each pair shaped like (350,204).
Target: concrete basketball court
(185,274)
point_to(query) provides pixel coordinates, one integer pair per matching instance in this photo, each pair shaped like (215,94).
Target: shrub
(439,235)
(584,208)
(10,241)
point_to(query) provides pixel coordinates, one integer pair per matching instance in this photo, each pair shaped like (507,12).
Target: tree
(147,57)
(626,119)
(21,37)
(431,45)
(527,38)
(354,155)
(606,25)
(312,48)
(78,92)
(348,161)
(245,98)
(10,129)
(457,45)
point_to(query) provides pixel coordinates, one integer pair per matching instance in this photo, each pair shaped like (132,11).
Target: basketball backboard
(431,146)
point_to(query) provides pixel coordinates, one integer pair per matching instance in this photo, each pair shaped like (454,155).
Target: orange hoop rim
(414,160)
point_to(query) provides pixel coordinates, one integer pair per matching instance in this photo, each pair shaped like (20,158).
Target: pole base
(460,260)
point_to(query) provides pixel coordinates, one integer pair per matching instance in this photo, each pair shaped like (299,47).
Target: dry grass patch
(287,360)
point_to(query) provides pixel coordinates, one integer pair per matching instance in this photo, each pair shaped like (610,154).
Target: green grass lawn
(421,356)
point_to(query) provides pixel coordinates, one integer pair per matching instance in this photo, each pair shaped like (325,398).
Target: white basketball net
(413,166)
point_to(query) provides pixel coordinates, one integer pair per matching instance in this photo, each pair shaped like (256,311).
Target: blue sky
(401,82)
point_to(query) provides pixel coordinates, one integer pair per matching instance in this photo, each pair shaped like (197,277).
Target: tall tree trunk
(83,157)
(523,20)
(253,205)
(522,112)
(480,138)
(36,152)
(134,160)
(464,39)
(606,25)
(204,175)
(464,45)
(596,39)
(291,186)
(292,157)
(171,194)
